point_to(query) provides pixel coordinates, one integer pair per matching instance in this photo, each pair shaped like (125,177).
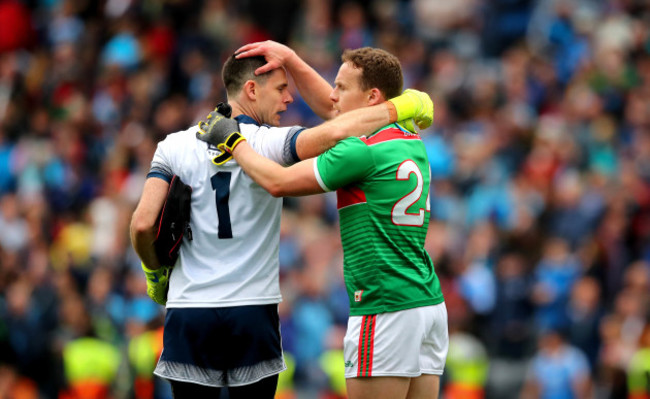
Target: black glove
(221,132)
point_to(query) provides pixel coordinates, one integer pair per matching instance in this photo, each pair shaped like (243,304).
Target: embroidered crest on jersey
(358,295)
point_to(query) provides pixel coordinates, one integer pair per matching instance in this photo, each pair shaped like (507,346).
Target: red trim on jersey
(350,195)
(391,133)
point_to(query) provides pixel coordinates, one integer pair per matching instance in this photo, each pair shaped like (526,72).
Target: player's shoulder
(182,139)
(349,148)
(182,135)
(389,133)
(249,127)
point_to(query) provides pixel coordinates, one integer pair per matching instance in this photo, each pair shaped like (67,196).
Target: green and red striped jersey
(382,184)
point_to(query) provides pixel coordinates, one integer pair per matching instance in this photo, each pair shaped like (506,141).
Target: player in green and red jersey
(382,184)
(397,339)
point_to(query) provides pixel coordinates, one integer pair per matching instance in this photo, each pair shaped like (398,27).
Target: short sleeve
(276,143)
(347,162)
(161,164)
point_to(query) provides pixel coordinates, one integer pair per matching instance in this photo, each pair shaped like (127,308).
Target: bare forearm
(265,172)
(313,88)
(365,120)
(143,245)
(279,181)
(143,223)
(362,121)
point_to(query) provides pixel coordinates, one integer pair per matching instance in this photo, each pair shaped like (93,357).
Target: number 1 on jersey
(221,184)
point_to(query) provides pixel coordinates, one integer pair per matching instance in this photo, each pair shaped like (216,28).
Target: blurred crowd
(540,195)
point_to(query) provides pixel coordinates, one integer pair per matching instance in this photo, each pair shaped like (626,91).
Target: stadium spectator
(558,370)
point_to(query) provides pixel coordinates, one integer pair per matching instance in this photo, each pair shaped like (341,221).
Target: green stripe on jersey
(386,268)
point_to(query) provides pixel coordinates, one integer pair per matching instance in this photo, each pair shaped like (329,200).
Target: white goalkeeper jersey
(232,259)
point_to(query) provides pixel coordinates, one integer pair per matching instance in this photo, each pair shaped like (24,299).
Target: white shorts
(407,343)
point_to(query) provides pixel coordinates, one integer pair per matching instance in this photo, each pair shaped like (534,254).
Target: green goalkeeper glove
(157,283)
(414,104)
(408,124)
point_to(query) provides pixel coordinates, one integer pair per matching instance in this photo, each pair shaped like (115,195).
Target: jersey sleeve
(347,162)
(276,143)
(161,164)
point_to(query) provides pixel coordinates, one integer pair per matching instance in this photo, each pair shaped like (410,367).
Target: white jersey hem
(223,303)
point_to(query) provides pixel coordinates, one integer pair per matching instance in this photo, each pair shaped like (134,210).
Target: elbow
(140,226)
(278,183)
(276,190)
(280,186)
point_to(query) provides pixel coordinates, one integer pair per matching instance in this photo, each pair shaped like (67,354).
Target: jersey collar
(246,119)
(392,125)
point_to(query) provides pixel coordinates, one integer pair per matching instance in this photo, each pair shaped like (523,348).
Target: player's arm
(314,141)
(313,88)
(310,142)
(410,104)
(144,220)
(296,180)
(224,133)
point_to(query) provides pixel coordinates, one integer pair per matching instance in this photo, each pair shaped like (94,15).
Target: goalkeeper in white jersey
(222,324)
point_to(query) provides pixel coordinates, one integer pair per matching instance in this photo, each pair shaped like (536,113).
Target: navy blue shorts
(221,346)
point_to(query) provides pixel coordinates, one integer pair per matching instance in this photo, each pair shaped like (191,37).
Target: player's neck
(241,109)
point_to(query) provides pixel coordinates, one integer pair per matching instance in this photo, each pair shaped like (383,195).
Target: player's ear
(250,90)
(375,97)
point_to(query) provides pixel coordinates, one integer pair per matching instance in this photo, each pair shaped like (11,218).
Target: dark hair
(379,69)
(236,72)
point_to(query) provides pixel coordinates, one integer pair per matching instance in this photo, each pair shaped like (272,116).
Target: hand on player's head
(276,54)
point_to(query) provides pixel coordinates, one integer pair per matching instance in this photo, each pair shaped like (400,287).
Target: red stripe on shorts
(366,346)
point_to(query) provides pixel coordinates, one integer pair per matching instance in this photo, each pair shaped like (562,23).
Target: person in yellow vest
(144,352)
(331,361)
(467,367)
(638,373)
(90,364)
(285,388)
